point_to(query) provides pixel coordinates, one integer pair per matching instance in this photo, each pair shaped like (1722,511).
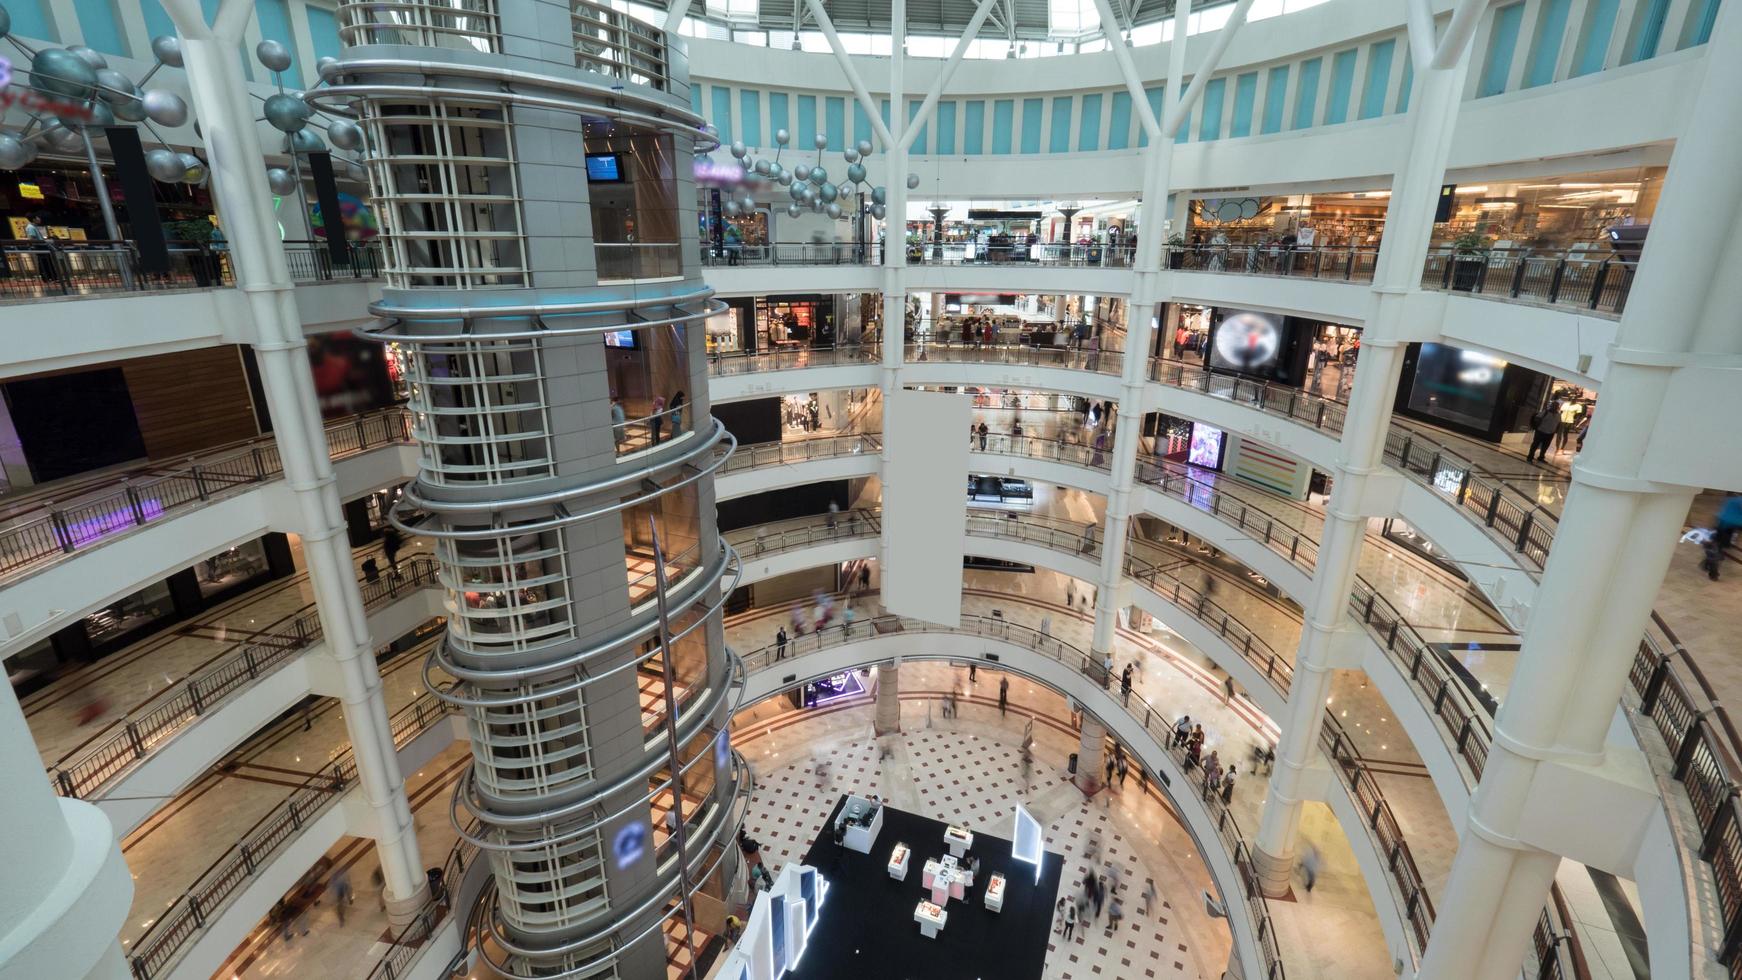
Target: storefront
(152,609)
(1469,391)
(1301,220)
(66,197)
(1571,212)
(792,322)
(1178,440)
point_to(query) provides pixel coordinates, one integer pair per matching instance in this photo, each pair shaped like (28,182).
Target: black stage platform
(866,930)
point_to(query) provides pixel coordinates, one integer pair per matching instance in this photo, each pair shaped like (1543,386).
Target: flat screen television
(620,338)
(604,168)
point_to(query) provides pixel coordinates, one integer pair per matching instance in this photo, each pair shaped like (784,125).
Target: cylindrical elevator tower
(532,165)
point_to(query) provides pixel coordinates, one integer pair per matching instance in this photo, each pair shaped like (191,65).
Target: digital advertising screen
(1206,446)
(1457,385)
(1247,342)
(620,338)
(604,168)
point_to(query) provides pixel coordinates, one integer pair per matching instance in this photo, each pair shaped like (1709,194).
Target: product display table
(945,879)
(995,893)
(930,918)
(860,822)
(898,862)
(957,840)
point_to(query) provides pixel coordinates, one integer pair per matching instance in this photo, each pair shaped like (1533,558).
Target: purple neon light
(102,525)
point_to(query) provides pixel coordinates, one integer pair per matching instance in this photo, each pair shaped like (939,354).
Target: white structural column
(886,714)
(1363,487)
(1552,785)
(1091,754)
(67,890)
(221,102)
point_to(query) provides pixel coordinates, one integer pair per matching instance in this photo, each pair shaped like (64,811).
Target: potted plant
(1469,259)
(1176,244)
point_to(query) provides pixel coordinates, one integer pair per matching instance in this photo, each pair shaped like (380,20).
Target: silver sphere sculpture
(828,192)
(878,211)
(785,178)
(879,195)
(850,155)
(730,207)
(801,172)
(65,140)
(761,167)
(864,148)
(739,150)
(89,56)
(797,190)
(165,108)
(60,72)
(281,181)
(164,165)
(272,54)
(324,65)
(101,117)
(194,169)
(782,137)
(115,88)
(167,49)
(821,140)
(305,141)
(285,112)
(856,173)
(14,152)
(912,181)
(818,175)
(345,134)
(794,209)
(833,210)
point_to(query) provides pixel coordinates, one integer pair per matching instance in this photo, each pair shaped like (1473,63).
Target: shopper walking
(973,672)
(391,542)
(1543,426)
(1122,767)
(677,401)
(1182,730)
(1309,864)
(656,424)
(982,431)
(1149,897)
(1070,919)
(619,430)
(780,644)
(339,886)
(1125,685)
(1115,912)
(1003,695)
(1228,787)
(834,512)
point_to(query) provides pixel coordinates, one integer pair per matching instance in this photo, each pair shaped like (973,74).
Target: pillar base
(401,911)
(1089,784)
(1275,874)
(72,930)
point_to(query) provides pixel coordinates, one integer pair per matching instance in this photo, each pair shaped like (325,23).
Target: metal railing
(784,453)
(1348,263)
(35,270)
(131,739)
(726,364)
(1155,724)
(638,260)
(470,25)
(1018,252)
(615,44)
(40,530)
(1073,358)
(1595,282)
(801,532)
(157,951)
(726,254)
(405,947)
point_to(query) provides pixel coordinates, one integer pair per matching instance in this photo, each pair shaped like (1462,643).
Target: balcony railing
(1083,255)
(1349,263)
(157,951)
(40,531)
(720,255)
(723,364)
(1074,358)
(34,271)
(470,25)
(131,739)
(1595,282)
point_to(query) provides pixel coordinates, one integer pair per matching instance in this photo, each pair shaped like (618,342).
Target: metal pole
(683,864)
(108,207)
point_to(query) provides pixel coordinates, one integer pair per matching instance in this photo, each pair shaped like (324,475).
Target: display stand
(862,820)
(995,893)
(898,862)
(931,918)
(957,840)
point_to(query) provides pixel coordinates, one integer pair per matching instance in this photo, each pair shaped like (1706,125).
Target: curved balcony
(100,268)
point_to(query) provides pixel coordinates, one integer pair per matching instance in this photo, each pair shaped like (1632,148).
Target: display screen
(620,338)
(604,168)
(1206,447)
(1457,385)
(1247,342)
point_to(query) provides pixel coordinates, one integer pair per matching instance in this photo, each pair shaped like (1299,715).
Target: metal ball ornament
(731,208)
(165,108)
(785,178)
(100,116)
(193,169)
(275,56)
(164,165)
(65,141)
(794,209)
(166,48)
(833,210)
(287,113)
(856,173)
(878,211)
(864,148)
(761,168)
(798,190)
(115,88)
(739,150)
(821,140)
(345,134)
(912,181)
(828,192)
(13,152)
(850,155)
(748,203)
(305,141)
(782,137)
(324,65)
(281,181)
(818,176)
(879,195)
(58,71)
(89,57)
(801,172)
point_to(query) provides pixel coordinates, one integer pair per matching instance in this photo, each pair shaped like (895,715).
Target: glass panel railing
(1589,281)
(1348,263)
(37,270)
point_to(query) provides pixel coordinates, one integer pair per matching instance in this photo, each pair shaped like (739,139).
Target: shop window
(632,187)
(129,614)
(651,400)
(231,568)
(450,204)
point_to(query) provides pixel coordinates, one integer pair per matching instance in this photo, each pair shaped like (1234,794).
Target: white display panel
(1029,840)
(925,513)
